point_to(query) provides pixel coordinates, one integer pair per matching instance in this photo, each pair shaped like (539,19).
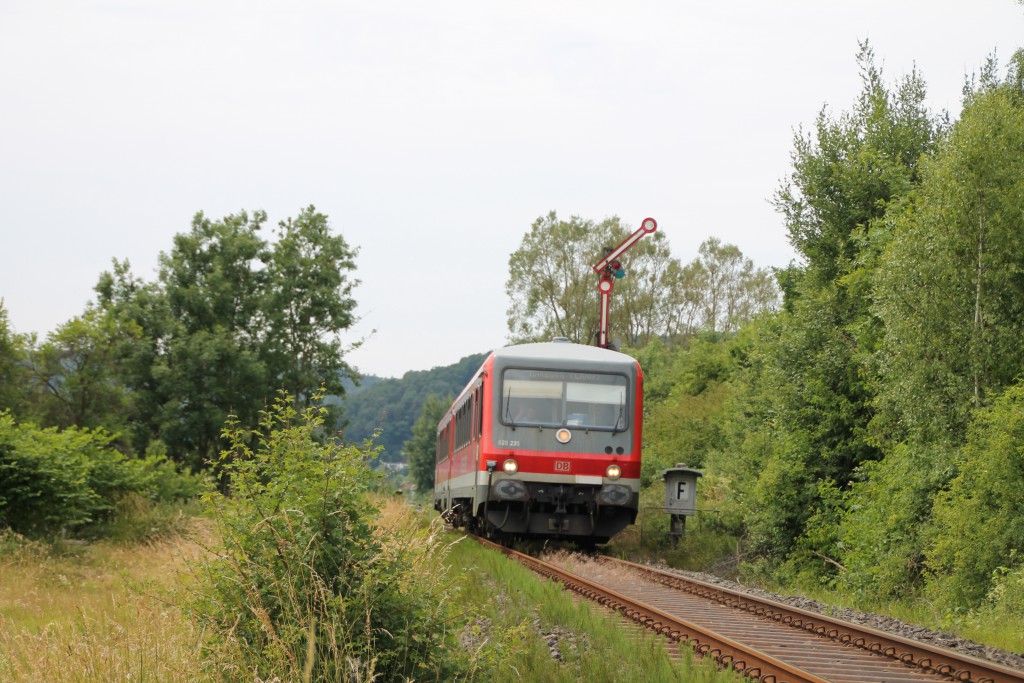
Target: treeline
(386,410)
(870,434)
(151,371)
(230,319)
(552,288)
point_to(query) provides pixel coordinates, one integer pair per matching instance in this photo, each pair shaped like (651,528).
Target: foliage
(846,174)
(551,284)
(881,534)
(77,369)
(141,305)
(801,412)
(212,365)
(966,565)
(14,383)
(304,588)
(421,449)
(950,287)
(725,287)
(948,290)
(1005,599)
(686,388)
(69,480)
(387,409)
(553,289)
(308,303)
(230,320)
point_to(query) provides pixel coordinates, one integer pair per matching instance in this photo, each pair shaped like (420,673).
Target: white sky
(431,133)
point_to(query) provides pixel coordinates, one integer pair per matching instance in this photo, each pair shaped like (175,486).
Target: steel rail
(727,652)
(929,658)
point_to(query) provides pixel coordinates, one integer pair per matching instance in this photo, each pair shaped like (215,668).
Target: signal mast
(610,269)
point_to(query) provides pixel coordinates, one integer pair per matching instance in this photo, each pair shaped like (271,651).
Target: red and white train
(544,442)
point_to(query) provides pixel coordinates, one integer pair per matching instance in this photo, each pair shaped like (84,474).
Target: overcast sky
(432,133)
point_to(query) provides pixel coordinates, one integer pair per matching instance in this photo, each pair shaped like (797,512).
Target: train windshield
(557,398)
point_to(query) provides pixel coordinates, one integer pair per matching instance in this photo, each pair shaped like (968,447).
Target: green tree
(684,299)
(684,424)
(78,371)
(421,450)
(143,308)
(308,303)
(729,290)
(14,380)
(641,301)
(229,321)
(212,366)
(552,286)
(804,416)
(307,586)
(551,283)
(950,287)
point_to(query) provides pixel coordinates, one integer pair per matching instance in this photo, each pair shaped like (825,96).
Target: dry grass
(96,613)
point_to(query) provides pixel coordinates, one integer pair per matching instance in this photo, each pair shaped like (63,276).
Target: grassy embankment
(110,611)
(96,612)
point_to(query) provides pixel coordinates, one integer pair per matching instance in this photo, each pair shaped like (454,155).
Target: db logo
(562,465)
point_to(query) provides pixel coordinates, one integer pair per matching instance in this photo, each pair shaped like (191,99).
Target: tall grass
(97,612)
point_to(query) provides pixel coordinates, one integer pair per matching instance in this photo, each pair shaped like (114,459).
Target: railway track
(762,639)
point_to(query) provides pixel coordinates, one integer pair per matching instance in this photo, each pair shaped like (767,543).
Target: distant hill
(393,405)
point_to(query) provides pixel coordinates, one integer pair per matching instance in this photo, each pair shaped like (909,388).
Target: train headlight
(563,435)
(613,472)
(510,466)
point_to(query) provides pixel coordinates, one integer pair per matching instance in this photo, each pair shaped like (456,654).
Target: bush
(1006,597)
(986,495)
(882,531)
(72,480)
(54,480)
(170,483)
(305,587)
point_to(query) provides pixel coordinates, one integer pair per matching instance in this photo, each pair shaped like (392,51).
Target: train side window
(442,444)
(473,413)
(462,425)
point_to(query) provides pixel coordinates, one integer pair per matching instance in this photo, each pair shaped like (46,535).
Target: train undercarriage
(586,514)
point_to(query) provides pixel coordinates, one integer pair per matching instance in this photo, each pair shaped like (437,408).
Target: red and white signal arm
(609,266)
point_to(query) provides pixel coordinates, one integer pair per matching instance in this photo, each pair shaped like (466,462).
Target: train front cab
(563,458)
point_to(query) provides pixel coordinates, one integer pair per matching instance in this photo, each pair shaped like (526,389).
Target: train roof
(552,354)
(562,350)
